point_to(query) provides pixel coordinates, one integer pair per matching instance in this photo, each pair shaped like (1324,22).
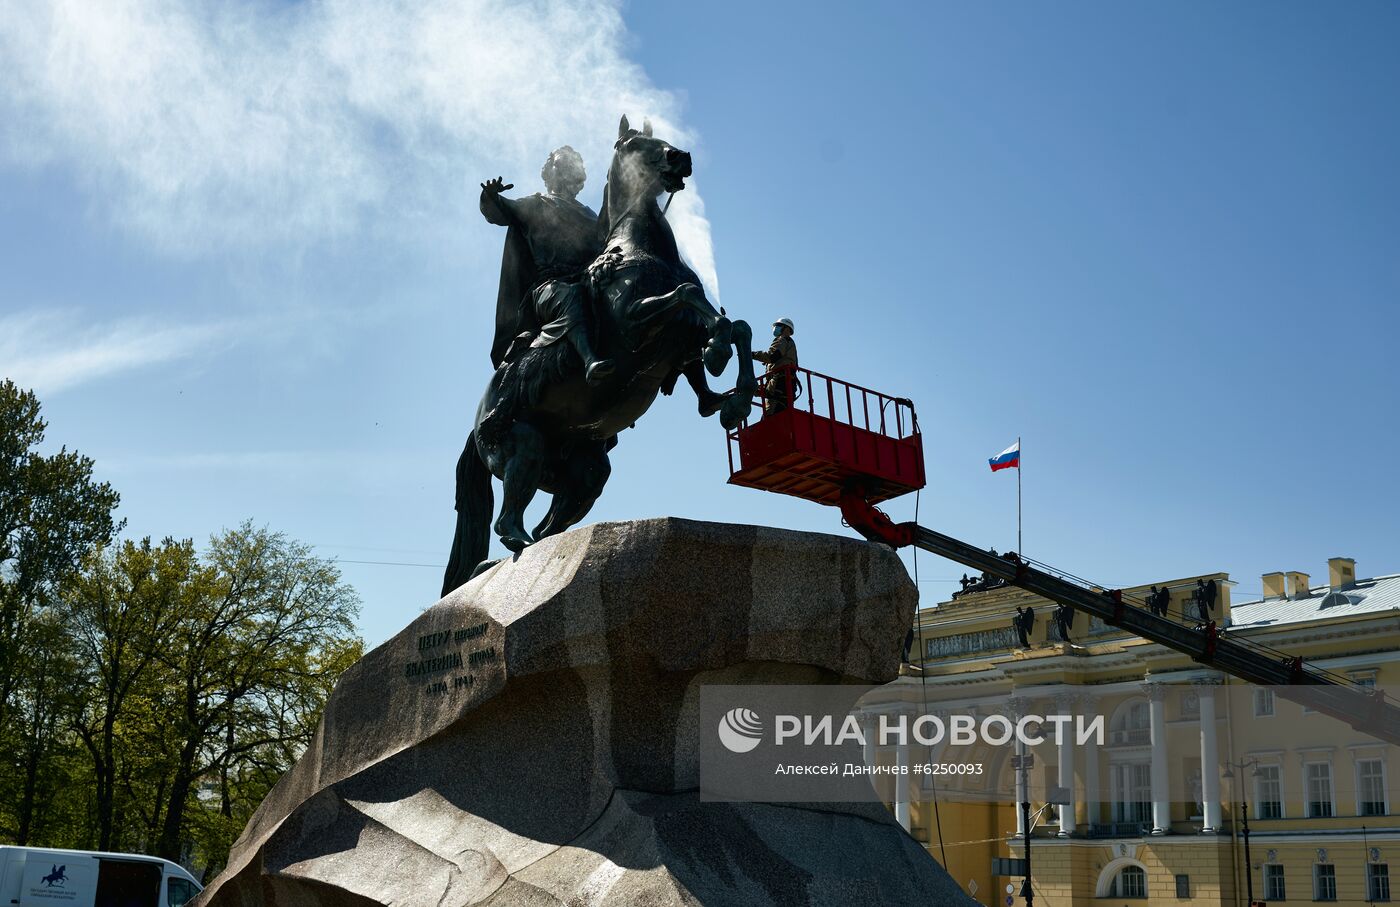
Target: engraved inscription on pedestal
(447,652)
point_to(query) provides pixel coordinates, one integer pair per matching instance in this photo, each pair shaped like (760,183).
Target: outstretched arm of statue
(494,208)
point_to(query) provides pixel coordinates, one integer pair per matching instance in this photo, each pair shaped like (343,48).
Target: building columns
(1091,782)
(1210,758)
(1065,769)
(1161,797)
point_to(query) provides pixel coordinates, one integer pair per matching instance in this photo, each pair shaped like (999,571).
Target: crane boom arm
(1367,711)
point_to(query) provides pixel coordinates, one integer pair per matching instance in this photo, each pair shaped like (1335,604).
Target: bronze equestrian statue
(636,320)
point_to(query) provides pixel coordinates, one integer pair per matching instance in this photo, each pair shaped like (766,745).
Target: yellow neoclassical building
(1156,812)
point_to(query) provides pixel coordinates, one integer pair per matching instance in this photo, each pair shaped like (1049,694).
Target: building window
(1130,883)
(1132,791)
(1098,628)
(1268,792)
(1263,703)
(1324,882)
(1319,777)
(1008,866)
(1273,882)
(1183,887)
(1378,881)
(1370,788)
(1132,724)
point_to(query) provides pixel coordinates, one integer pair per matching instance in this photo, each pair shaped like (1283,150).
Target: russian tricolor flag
(1011,457)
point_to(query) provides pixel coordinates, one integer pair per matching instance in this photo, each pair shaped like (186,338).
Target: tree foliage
(153,693)
(52,513)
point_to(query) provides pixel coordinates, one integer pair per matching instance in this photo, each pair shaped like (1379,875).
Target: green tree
(52,514)
(121,611)
(204,677)
(150,695)
(45,698)
(249,665)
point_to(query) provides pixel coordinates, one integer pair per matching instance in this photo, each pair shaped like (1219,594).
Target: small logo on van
(57,877)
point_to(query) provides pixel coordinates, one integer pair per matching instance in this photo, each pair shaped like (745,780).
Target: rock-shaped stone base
(531,739)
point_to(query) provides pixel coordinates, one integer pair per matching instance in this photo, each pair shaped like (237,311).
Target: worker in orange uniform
(781,386)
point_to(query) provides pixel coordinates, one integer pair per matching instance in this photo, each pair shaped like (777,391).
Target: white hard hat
(787,323)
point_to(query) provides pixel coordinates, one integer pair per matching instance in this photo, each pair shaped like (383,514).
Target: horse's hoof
(515,542)
(600,371)
(711,405)
(734,411)
(716,357)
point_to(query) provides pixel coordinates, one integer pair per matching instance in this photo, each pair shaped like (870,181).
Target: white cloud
(49,352)
(207,127)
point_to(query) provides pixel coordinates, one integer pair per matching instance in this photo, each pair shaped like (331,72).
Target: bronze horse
(541,426)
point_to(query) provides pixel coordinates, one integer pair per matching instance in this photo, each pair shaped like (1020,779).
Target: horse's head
(646,166)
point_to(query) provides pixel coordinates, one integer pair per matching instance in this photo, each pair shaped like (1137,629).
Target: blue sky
(244,269)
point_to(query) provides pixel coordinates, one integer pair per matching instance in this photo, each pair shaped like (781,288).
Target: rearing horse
(541,426)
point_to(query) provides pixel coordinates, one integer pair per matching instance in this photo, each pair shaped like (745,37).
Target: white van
(40,877)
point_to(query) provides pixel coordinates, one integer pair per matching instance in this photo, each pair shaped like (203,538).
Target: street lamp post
(1248,863)
(1026,891)
(1244,825)
(1022,764)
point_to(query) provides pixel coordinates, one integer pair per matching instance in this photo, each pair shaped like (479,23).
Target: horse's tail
(474,509)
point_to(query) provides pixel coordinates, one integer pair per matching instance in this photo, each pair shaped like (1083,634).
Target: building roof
(1367,596)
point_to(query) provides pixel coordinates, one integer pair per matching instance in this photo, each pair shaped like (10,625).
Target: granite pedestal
(531,738)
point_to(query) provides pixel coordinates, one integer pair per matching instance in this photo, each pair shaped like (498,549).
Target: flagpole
(1019,459)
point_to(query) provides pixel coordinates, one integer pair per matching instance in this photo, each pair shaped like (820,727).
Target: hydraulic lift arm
(1367,711)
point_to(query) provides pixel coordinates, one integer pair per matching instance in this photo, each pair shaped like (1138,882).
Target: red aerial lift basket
(818,435)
